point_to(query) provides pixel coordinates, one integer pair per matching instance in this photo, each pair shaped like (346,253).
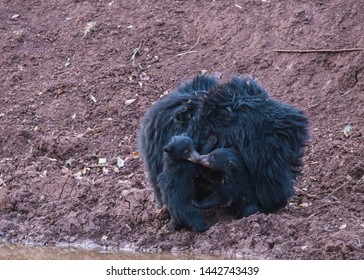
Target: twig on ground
(6,159)
(359,243)
(346,93)
(337,189)
(320,50)
(60,195)
(313,214)
(252,72)
(191,49)
(2,183)
(359,181)
(135,53)
(328,204)
(222,64)
(309,195)
(84,205)
(312,106)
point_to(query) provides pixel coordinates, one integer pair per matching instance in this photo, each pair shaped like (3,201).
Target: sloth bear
(177,186)
(267,135)
(233,189)
(172,115)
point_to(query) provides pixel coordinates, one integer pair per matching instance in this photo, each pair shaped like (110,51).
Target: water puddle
(11,251)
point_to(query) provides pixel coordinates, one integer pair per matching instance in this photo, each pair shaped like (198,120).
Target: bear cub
(177,185)
(230,191)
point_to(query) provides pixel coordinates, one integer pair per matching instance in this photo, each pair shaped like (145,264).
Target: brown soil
(77,76)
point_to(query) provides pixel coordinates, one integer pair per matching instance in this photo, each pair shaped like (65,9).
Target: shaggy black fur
(175,114)
(232,189)
(177,184)
(267,135)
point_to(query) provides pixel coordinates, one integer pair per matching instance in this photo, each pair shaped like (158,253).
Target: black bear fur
(232,189)
(175,114)
(268,136)
(177,184)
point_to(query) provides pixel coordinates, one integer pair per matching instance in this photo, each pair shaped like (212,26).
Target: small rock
(144,77)
(129,101)
(120,162)
(102,160)
(135,154)
(348,130)
(303,205)
(70,161)
(68,62)
(93,98)
(343,226)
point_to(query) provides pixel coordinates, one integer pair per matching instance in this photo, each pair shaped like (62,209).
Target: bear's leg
(176,226)
(189,216)
(248,210)
(248,205)
(197,223)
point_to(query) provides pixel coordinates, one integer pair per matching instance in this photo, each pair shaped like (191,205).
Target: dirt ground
(77,76)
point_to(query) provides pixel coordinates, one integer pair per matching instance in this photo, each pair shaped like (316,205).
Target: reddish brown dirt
(72,93)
